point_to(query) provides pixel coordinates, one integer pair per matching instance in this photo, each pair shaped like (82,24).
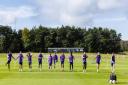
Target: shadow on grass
(122,83)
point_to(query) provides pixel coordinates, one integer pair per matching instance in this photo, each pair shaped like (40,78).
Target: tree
(26,38)
(2,39)
(40,38)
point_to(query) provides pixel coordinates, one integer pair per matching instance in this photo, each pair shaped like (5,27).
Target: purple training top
(20,57)
(55,57)
(62,58)
(85,58)
(40,56)
(30,58)
(98,58)
(50,59)
(71,58)
(9,56)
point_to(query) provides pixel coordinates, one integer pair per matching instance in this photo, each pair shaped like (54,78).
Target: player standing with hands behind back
(71,59)
(20,57)
(84,58)
(98,60)
(55,59)
(40,56)
(62,59)
(29,61)
(50,61)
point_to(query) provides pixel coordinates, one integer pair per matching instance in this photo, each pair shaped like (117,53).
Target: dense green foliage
(40,38)
(124,45)
(10,39)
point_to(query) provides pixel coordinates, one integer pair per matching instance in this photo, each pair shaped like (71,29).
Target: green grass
(56,77)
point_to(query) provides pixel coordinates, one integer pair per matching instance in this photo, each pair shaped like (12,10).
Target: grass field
(56,77)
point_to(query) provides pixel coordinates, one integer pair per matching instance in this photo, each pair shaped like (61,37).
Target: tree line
(40,38)
(124,45)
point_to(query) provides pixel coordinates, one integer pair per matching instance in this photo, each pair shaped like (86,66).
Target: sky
(52,13)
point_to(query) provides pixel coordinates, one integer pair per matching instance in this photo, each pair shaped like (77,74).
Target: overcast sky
(84,13)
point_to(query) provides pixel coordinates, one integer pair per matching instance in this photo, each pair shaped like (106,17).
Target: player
(84,58)
(71,59)
(55,59)
(62,59)
(40,56)
(20,57)
(98,60)
(9,58)
(113,62)
(29,61)
(113,78)
(50,61)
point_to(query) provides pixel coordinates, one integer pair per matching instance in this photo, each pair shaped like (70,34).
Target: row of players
(54,59)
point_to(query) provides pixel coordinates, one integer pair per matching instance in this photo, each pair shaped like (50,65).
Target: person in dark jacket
(113,78)
(113,62)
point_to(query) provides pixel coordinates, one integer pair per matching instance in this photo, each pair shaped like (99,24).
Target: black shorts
(21,63)
(84,63)
(30,63)
(50,64)
(62,62)
(98,62)
(8,62)
(55,61)
(71,63)
(112,64)
(40,61)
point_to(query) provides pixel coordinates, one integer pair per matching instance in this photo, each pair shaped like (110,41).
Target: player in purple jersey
(84,59)
(62,59)
(9,58)
(29,61)
(55,59)
(20,57)
(71,59)
(40,56)
(50,61)
(98,60)
(113,62)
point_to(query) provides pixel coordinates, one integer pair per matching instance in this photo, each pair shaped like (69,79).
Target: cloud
(112,19)
(9,14)
(67,12)
(108,4)
(111,4)
(78,12)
